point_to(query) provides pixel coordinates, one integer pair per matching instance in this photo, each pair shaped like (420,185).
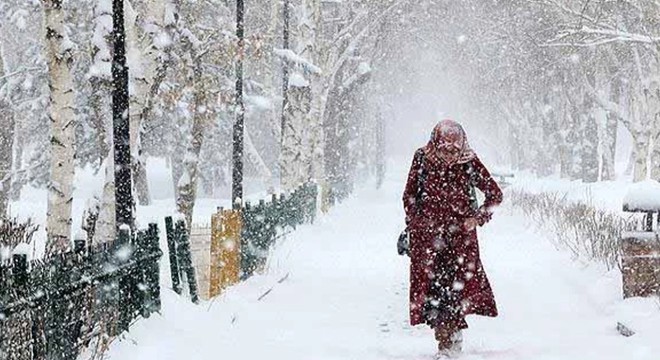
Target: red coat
(437,225)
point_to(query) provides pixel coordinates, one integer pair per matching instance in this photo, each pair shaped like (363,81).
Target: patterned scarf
(449,137)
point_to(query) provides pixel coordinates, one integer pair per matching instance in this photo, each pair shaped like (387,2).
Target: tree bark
(187,184)
(641,142)
(6,147)
(653,100)
(609,148)
(101,79)
(146,73)
(62,119)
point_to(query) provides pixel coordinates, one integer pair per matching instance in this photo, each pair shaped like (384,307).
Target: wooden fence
(77,302)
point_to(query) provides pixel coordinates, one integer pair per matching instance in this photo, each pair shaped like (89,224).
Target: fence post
(152,273)
(171,246)
(79,246)
(185,259)
(58,339)
(122,255)
(248,257)
(20,270)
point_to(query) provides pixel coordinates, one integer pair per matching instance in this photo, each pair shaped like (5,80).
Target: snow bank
(643,196)
(605,195)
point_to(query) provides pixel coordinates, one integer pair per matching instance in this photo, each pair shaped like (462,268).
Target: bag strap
(474,202)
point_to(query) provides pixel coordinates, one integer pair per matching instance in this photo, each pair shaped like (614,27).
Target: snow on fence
(59,307)
(238,242)
(640,263)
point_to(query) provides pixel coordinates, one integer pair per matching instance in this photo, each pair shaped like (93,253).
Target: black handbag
(403,244)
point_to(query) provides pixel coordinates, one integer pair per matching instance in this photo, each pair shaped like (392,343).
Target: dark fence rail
(58,307)
(265,222)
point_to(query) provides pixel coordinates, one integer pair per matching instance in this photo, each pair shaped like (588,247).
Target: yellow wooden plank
(225,250)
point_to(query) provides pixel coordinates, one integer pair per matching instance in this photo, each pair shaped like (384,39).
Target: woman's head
(449,142)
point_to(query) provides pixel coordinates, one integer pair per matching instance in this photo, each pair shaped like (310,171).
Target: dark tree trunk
(285,68)
(237,174)
(122,149)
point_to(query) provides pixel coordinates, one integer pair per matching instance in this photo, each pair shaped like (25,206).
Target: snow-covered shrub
(14,232)
(588,232)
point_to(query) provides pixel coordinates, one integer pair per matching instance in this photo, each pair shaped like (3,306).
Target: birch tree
(100,77)
(6,140)
(62,118)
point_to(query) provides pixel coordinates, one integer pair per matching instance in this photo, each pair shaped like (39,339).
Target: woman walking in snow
(447,279)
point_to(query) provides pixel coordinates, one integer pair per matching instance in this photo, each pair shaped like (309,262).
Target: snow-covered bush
(589,233)
(14,231)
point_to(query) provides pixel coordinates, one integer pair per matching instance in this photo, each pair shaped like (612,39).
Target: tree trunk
(19,180)
(106,225)
(314,121)
(252,156)
(609,147)
(6,148)
(609,141)
(146,73)
(187,184)
(641,142)
(381,165)
(653,100)
(62,119)
(590,161)
(124,201)
(100,76)
(101,103)
(292,154)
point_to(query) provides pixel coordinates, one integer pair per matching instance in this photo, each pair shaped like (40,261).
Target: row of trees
(56,85)
(551,80)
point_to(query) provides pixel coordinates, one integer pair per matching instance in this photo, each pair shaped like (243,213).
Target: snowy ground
(343,295)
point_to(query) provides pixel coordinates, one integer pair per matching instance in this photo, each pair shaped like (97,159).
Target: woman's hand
(470,224)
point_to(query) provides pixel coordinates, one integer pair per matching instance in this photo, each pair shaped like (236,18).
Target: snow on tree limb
(292,57)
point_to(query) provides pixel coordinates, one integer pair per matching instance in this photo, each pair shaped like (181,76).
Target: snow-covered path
(339,291)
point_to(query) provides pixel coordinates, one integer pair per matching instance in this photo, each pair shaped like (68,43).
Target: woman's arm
(485,182)
(410,192)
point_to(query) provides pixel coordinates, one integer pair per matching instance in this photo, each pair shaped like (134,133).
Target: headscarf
(449,133)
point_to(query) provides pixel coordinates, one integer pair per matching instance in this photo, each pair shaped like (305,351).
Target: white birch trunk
(105,225)
(62,120)
(253,157)
(609,148)
(315,117)
(143,57)
(6,145)
(101,78)
(297,137)
(292,155)
(653,100)
(641,143)
(187,184)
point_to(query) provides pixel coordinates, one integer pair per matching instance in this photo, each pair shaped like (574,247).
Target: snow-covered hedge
(588,232)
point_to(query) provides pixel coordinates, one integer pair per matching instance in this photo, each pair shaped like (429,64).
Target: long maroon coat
(436,225)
